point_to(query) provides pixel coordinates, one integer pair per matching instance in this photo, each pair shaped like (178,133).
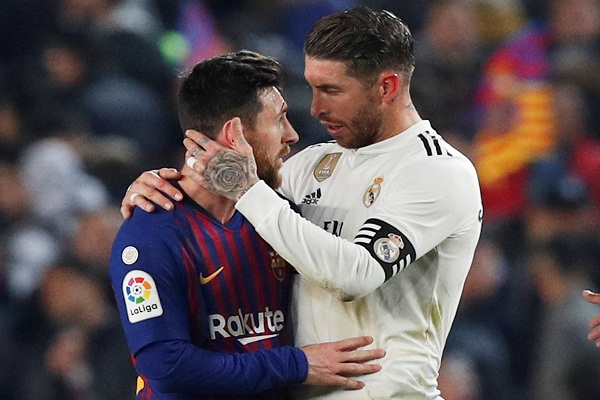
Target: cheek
(262,150)
(347,107)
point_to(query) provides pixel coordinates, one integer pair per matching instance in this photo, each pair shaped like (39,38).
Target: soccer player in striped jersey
(204,300)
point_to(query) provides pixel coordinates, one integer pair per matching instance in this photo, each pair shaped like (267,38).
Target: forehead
(320,72)
(271,99)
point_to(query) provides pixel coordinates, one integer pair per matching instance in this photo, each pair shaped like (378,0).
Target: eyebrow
(327,86)
(284,108)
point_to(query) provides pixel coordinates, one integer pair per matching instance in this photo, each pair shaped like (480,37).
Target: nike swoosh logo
(204,281)
(254,339)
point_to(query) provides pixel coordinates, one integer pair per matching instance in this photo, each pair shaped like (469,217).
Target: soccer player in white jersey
(393,212)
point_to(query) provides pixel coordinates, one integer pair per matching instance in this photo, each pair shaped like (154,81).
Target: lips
(333,129)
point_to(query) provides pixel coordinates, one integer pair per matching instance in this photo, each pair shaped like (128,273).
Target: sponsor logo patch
(247,328)
(141,296)
(325,167)
(129,255)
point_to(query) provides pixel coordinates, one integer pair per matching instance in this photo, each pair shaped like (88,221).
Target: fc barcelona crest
(325,167)
(278,265)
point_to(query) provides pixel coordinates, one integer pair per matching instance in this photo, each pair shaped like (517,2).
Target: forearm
(179,366)
(345,269)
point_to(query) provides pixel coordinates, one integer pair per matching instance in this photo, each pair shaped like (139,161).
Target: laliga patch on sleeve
(141,296)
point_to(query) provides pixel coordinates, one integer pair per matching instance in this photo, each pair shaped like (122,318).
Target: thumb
(239,140)
(591,296)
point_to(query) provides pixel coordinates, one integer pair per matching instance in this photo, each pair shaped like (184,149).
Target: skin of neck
(403,116)
(398,109)
(220,207)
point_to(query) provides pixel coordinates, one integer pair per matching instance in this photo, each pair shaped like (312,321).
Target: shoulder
(313,153)
(431,165)
(145,237)
(148,225)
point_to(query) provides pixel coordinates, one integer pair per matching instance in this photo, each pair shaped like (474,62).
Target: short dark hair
(223,87)
(368,41)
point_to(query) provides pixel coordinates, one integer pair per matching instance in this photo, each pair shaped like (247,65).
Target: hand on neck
(220,207)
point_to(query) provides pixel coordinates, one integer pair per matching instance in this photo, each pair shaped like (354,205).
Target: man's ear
(390,84)
(232,131)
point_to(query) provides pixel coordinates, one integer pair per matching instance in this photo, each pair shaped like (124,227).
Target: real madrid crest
(372,192)
(325,167)
(278,265)
(386,249)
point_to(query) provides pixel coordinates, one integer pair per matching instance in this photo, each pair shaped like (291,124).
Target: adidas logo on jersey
(312,198)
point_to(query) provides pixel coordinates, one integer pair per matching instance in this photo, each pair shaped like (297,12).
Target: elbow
(166,383)
(165,376)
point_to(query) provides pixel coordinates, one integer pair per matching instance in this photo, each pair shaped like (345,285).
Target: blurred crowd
(87,103)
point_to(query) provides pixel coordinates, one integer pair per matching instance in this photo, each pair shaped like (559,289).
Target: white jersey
(394,228)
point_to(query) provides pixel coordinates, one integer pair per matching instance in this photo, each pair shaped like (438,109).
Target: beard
(364,127)
(266,168)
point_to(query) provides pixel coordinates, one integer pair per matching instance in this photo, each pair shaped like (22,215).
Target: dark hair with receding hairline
(368,41)
(223,87)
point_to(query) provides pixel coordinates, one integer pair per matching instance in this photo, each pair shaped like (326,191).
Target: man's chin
(271,179)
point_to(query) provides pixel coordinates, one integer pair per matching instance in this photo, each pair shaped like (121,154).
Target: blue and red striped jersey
(181,278)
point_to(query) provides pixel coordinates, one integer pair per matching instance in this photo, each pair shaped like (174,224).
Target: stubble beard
(364,127)
(266,168)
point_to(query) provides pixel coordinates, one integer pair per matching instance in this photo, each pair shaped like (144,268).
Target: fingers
(594,334)
(168,173)
(591,296)
(595,322)
(349,352)
(199,139)
(149,188)
(239,140)
(361,356)
(334,363)
(192,148)
(191,161)
(348,384)
(356,369)
(353,343)
(198,148)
